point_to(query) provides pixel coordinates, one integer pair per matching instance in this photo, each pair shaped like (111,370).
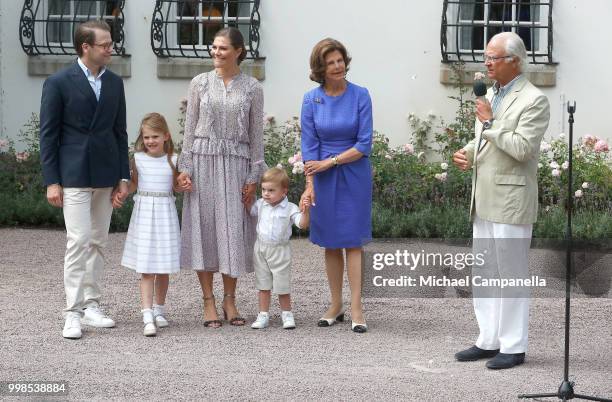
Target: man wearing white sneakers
(84,156)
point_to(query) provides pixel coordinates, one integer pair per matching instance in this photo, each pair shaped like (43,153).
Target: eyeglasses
(105,46)
(493,59)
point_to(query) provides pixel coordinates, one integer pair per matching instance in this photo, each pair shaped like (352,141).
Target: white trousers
(87,215)
(503,321)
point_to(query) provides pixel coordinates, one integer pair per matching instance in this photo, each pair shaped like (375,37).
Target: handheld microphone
(480,89)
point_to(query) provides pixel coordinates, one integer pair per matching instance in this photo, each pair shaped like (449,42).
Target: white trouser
(87,215)
(503,321)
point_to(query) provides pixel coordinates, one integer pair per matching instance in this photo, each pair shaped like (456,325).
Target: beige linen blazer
(504,179)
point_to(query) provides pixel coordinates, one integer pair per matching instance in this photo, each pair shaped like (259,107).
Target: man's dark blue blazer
(83,141)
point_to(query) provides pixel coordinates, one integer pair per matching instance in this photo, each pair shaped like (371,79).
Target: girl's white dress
(153,240)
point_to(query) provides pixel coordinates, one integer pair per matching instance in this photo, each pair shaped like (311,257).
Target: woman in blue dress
(336,142)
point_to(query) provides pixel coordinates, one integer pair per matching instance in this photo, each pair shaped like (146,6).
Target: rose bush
(417,191)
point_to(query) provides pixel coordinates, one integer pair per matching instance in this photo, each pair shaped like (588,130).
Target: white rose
(298,167)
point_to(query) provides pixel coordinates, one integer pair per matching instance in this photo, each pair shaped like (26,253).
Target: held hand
(307,199)
(119,194)
(460,160)
(248,194)
(116,201)
(483,110)
(186,187)
(55,195)
(313,167)
(184,182)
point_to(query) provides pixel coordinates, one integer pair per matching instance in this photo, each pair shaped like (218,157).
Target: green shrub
(417,191)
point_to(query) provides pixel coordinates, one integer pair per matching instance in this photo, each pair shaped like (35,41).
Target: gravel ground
(406,355)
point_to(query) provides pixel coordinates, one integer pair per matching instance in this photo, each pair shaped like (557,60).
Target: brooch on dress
(318,100)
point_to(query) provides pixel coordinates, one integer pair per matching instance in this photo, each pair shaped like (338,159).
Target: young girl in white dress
(152,246)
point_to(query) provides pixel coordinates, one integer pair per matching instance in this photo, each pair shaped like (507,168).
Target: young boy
(272,254)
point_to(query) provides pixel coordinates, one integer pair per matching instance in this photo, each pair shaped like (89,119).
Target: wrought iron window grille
(186,28)
(467,26)
(47,26)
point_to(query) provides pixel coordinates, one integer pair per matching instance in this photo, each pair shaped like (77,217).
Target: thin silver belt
(154,193)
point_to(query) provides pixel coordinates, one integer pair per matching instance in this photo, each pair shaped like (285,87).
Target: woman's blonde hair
(158,124)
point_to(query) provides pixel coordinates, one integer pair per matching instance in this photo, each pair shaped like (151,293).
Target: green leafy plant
(417,192)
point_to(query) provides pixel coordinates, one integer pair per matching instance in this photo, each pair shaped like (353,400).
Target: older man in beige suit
(504,156)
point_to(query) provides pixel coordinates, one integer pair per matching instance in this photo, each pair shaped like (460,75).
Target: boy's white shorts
(272,263)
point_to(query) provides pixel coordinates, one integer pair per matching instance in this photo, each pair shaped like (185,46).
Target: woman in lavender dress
(336,142)
(222,157)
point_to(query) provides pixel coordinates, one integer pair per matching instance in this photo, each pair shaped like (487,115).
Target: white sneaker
(149,329)
(149,323)
(95,317)
(160,319)
(72,327)
(288,320)
(262,321)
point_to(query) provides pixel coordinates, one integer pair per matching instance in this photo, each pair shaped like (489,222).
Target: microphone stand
(566,390)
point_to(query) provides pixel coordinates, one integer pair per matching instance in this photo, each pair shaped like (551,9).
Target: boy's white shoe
(288,320)
(262,321)
(149,323)
(72,326)
(158,313)
(95,317)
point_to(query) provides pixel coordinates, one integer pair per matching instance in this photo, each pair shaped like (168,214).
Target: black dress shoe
(475,353)
(505,361)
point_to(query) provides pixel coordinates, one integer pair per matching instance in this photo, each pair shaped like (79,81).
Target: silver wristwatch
(487,124)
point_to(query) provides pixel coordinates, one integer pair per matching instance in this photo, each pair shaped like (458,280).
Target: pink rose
(441,176)
(408,149)
(22,156)
(601,146)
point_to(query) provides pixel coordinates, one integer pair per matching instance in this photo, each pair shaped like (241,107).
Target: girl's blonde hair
(157,123)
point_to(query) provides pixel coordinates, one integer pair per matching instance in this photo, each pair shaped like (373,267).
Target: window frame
(36,22)
(452,35)
(167,20)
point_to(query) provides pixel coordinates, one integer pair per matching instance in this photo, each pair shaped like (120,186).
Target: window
(47,26)
(186,28)
(467,26)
